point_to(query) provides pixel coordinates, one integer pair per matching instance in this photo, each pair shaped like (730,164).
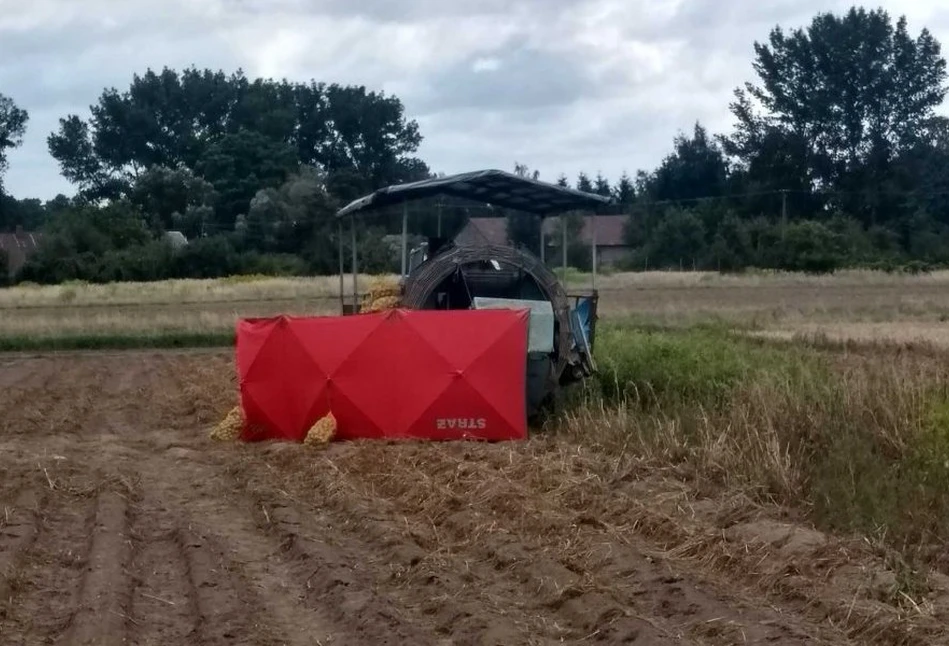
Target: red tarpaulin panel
(402,374)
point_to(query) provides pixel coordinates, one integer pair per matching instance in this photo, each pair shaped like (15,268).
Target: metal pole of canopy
(543,252)
(563,243)
(342,267)
(355,268)
(593,247)
(405,238)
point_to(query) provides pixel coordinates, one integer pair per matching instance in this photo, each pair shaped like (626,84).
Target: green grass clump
(881,462)
(858,442)
(243,279)
(699,367)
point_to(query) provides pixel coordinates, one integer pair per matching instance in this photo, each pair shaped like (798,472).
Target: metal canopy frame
(495,187)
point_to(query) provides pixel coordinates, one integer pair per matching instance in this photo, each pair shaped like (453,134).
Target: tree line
(837,157)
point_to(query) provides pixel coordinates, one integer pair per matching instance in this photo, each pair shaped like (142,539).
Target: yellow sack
(381,286)
(383,303)
(322,432)
(229,428)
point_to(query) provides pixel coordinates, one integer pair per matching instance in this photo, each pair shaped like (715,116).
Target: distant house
(18,247)
(611,245)
(176,239)
(482,231)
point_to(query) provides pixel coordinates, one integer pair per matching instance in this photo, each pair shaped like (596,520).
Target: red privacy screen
(438,375)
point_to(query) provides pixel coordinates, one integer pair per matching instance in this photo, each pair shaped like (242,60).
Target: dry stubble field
(121,523)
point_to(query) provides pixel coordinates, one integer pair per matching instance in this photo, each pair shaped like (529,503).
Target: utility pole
(784,211)
(563,243)
(543,251)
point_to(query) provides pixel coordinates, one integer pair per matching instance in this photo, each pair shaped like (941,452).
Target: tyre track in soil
(58,572)
(186,587)
(104,592)
(605,591)
(18,532)
(271,545)
(458,606)
(470,597)
(620,570)
(49,572)
(343,608)
(343,563)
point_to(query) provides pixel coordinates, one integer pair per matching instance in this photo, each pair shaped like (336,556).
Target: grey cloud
(594,85)
(407,10)
(521,78)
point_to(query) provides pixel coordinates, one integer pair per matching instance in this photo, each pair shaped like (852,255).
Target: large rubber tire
(427,277)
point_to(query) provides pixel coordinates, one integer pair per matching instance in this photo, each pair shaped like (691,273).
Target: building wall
(469,235)
(18,247)
(611,256)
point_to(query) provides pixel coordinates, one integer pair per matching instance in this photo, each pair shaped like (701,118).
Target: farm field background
(762,458)
(864,305)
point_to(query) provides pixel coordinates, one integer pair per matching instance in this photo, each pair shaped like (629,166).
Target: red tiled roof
(609,230)
(483,231)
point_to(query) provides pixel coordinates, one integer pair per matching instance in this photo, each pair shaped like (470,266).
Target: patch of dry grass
(860,441)
(787,303)
(151,319)
(175,292)
(906,332)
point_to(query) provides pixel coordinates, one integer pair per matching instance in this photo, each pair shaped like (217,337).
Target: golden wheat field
(761,459)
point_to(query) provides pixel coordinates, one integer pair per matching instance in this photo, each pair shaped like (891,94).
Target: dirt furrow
(225,605)
(164,604)
(203,543)
(18,531)
(555,563)
(49,572)
(102,608)
(462,566)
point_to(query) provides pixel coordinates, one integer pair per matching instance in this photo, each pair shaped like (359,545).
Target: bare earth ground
(121,523)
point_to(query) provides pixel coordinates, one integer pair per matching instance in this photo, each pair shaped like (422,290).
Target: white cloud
(562,85)
(486,64)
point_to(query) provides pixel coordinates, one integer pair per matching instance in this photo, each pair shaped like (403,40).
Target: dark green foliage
(13,122)
(523,229)
(239,165)
(584,184)
(204,119)
(696,169)
(174,199)
(837,159)
(625,191)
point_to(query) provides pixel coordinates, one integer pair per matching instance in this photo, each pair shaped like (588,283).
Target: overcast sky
(561,85)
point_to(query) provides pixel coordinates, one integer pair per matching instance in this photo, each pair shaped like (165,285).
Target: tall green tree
(523,229)
(240,164)
(584,184)
(696,168)
(839,101)
(13,122)
(170,198)
(601,186)
(173,119)
(625,191)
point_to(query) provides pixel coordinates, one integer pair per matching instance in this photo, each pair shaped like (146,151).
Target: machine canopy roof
(495,187)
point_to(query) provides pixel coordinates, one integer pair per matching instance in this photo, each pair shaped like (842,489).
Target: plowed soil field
(122,523)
